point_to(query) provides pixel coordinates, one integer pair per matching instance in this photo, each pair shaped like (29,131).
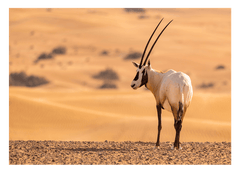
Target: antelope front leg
(159,111)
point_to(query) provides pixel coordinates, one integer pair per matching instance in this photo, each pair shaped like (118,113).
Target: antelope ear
(135,64)
(149,63)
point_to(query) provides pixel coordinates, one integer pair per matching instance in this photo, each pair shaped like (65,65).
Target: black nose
(132,85)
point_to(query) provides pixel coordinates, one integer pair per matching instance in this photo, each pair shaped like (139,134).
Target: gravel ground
(115,153)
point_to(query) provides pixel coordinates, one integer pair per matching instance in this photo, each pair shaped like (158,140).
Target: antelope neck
(154,81)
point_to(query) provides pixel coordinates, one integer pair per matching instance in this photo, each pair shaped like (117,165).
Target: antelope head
(141,77)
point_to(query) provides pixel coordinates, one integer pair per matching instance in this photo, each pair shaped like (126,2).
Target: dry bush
(43,56)
(134,10)
(59,50)
(104,53)
(107,74)
(108,85)
(220,67)
(21,79)
(143,17)
(134,55)
(206,85)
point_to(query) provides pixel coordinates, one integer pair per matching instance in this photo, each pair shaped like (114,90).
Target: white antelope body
(172,90)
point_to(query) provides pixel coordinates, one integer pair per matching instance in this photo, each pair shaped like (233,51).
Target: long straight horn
(148,43)
(155,42)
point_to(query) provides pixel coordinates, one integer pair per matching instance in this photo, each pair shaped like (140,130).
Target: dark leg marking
(159,110)
(178,125)
(180,111)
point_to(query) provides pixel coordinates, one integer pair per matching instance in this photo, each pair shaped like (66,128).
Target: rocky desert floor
(117,153)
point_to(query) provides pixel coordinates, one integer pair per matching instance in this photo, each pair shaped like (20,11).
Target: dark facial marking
(136,77)
(144,78)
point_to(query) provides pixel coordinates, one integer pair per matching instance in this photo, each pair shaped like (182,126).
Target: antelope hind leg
(178,127)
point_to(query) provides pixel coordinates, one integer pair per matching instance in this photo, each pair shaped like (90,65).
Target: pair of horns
(153,43)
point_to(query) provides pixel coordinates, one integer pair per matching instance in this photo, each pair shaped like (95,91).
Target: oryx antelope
(172,90)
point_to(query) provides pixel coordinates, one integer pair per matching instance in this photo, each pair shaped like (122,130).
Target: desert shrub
(107,74)
(104,52)
(206,85)
(134,10)
(48,9)
(220,67)
(143,17)
(108,85)
(21,79)
(59,50)
(134,55)
(43,56)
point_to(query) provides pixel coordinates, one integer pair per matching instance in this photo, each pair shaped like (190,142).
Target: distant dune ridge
(79,90)
(113,115)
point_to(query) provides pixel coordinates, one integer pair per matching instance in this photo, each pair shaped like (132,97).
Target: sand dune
(77,116)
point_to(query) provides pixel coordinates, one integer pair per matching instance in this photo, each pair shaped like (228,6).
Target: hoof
(173,148)
(156,147)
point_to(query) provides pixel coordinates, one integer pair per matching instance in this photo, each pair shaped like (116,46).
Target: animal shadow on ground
(91,149)
(111,147)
